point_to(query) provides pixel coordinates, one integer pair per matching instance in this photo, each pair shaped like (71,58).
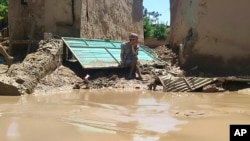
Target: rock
(20,81)
(76,86)
(113,77)
(212,88)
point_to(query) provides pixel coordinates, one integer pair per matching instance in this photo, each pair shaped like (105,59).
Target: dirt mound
(26,75)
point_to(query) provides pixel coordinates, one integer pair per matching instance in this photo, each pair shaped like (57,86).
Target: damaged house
(208,38)
(29,20)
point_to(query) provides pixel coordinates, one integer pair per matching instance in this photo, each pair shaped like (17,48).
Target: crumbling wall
(111,19)
(23,77)
(215,34)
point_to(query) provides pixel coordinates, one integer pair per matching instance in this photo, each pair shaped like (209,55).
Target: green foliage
(160,32)
(3,13)
(147,28)
(4,2)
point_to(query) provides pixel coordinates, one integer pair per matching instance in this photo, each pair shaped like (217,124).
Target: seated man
(129,52)
(7,57)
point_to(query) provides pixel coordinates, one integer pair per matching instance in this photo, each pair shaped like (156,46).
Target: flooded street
(122,115)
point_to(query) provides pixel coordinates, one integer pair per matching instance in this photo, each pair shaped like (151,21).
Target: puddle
(124,115)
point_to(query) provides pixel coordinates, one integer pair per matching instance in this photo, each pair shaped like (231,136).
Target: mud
(122,115)
(71,75)
(44,71)
(107,106)
(25,76)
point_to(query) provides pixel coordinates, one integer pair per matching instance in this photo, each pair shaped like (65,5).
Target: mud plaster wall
(215,34)
(111,19)
(60,17)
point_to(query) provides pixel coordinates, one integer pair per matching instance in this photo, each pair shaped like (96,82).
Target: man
(129,52)
(7,57)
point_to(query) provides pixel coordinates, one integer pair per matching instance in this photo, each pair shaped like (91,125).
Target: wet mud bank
(23,77)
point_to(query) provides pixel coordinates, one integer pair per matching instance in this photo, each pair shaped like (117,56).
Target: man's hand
(133,50)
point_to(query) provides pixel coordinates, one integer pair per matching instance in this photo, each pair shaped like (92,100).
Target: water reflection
(13,129)
(117,115)
(138,114)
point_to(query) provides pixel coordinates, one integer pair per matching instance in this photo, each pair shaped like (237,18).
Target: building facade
(109,19)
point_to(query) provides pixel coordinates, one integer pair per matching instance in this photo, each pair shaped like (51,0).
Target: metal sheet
(93,53)
(184,84)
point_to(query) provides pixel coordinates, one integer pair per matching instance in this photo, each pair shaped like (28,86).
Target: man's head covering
(133,35)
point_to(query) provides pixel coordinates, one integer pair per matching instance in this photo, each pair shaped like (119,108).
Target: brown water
(118,115)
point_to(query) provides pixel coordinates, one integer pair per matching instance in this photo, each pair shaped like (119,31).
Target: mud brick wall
(23,77)
(111,19)
(102,19)
(215,34)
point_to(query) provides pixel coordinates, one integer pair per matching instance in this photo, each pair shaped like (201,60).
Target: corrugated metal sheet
(93,53)
(184,84)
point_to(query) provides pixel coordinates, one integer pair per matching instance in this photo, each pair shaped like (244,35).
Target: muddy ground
(44,71)
(70,75)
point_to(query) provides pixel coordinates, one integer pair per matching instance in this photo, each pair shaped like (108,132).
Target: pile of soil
(24,75)
(43,71)
(70,75)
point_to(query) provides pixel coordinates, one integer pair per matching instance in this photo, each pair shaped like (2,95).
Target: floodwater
(122,115)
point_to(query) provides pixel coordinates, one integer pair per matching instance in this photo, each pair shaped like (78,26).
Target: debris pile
(43,71)
(174,79)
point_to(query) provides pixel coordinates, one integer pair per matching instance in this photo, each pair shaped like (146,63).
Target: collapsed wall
(23,77)
(106,19)
(215,34)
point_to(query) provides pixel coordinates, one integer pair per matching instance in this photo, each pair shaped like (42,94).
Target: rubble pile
(26,75)
(166,54)
(44,71)
(168,64)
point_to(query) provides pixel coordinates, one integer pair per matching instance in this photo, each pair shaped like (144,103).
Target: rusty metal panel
(93,53)
(184,84)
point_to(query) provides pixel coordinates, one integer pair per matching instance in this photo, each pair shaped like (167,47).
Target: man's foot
(130,77)
(10,61)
